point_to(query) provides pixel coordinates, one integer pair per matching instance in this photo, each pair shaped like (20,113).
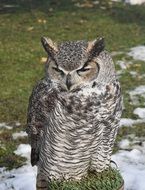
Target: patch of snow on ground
(140,112)
(23,178)
(124,144)
(135,2)
(138,91)
(132,167)
(132,2)
(123,64)
(116,0)
(133,143)
(126,122)
(4,125)
(95,2)
(20,134)
(23,150)
(138,52)
(129,122)
(18,124)
(133,73)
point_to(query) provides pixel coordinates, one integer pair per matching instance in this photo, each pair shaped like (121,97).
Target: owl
(74,111)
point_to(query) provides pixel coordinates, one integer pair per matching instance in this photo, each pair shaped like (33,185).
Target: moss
(107,180)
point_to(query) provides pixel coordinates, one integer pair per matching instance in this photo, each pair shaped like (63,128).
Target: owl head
(72,64)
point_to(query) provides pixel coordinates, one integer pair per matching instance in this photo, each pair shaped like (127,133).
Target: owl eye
(82,70)
(58,70)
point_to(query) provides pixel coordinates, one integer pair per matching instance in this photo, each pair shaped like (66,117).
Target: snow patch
(18,124)
(126,122)
(20,134)
(23,150)
(140,112)
(129,122)
(23,178)
(134,94)
(132,2)
(133,143)
(124,144)
(132,167)
(4,125)
(133,73)
(123,64)
(140,90)
(138,52)
(116,0)
(135,2)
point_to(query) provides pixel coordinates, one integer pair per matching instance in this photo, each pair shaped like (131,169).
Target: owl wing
(109,116)
(111,112)
(36,117)
(113,100)
(111,106)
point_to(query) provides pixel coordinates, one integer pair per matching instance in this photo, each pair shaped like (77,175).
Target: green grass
(22,26)
(8,158)
(108,180)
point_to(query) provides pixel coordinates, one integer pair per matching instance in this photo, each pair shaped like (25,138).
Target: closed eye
(58,70)
(83,70)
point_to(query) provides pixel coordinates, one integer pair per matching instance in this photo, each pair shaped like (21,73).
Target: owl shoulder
(40,88)
(36,109)
(113,96)
(42,99)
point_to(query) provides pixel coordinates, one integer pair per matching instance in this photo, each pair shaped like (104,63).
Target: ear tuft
(95,47)
(49,46)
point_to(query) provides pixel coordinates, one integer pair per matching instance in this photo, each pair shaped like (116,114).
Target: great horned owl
(74,112)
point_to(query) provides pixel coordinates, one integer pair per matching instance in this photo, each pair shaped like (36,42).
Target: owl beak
(68,81)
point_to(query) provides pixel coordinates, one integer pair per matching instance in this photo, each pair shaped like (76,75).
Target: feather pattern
(72,132)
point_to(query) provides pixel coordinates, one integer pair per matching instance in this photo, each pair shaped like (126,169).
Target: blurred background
(22,23)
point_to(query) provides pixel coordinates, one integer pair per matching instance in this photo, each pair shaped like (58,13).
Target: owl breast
(72,134)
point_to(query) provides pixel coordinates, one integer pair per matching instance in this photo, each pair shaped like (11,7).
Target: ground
(23,22)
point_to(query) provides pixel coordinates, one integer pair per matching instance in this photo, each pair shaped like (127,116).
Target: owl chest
(80,110)
(73,123)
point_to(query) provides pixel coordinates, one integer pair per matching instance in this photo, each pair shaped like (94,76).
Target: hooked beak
(68,81)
